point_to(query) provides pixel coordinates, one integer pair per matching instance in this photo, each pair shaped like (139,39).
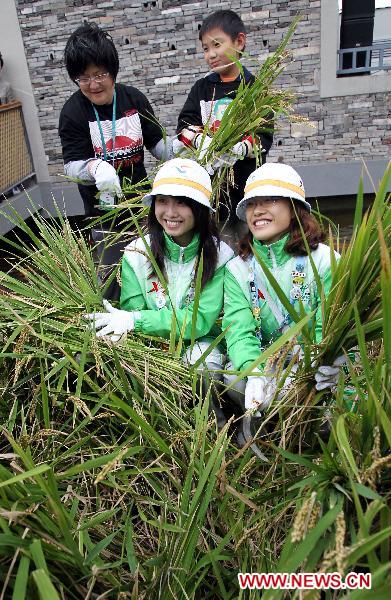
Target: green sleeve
(131,294)
(242,343)
(158,322)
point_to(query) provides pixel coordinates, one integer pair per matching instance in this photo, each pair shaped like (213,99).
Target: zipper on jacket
(272,257)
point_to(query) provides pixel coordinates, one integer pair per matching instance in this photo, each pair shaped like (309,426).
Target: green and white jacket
(243,344)
(144,294)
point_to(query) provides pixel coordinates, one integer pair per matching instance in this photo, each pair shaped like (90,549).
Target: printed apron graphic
(128,140)
(212,112)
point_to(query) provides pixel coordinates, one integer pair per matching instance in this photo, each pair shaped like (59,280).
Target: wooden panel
(15,160)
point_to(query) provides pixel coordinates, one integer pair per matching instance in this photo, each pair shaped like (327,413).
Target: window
(377,59)
(365,38)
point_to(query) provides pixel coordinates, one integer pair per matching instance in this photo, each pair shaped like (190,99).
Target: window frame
(330,83)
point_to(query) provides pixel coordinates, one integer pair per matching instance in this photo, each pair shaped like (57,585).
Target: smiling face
(176,218)
(98,92)
(268,218)
(220,49)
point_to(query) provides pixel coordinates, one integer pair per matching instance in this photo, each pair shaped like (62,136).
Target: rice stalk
(135,492)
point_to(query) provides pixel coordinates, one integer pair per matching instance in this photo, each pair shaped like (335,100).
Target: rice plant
(114,482)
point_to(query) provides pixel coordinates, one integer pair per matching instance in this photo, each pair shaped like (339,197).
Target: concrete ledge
(341,179)
(50,198)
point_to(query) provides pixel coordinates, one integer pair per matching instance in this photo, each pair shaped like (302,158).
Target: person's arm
(78,169)
(158,322)
(190,127)
(131,294)
(76,146)
(162,150)
(191,111)
(242,343)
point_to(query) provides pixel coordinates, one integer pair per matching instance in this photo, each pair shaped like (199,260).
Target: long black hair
(87,45)
(204,225)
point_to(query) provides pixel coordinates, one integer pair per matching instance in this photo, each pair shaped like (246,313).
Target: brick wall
(157,41)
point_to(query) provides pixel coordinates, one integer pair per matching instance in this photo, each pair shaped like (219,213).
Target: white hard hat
(182,177)
(273,179)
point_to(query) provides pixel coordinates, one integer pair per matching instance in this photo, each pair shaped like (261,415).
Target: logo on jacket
(212,112)
(160,298)
(156,287)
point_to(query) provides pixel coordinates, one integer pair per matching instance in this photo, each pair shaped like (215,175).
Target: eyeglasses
(85,81)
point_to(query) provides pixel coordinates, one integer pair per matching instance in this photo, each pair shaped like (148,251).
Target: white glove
(115,321)
(225,160)
(259,393)
(177,146)
(201,143)
(243,149)
(210,169)
(328,376)
(106,178)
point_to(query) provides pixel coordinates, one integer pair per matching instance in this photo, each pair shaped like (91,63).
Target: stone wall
(160,54)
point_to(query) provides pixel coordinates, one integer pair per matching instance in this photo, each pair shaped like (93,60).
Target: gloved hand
(259,393)
(202,142)
(224,160)
(115,321)
(328,376)
(244,149)
(187,135)
(210,169)
(177,146)
(106,178)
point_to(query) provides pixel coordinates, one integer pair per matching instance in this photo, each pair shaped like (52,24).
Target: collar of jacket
(215,77)
(273,254)
(175,252)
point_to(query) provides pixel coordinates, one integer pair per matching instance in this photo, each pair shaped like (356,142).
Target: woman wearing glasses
(275,209)
(104,126)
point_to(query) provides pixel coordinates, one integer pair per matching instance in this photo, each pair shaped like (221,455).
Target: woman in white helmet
(181,230)
(273,202)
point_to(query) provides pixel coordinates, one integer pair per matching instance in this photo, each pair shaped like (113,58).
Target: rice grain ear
(54,283)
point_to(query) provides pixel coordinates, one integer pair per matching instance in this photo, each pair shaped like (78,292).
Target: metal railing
(16,164)
(365,59)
